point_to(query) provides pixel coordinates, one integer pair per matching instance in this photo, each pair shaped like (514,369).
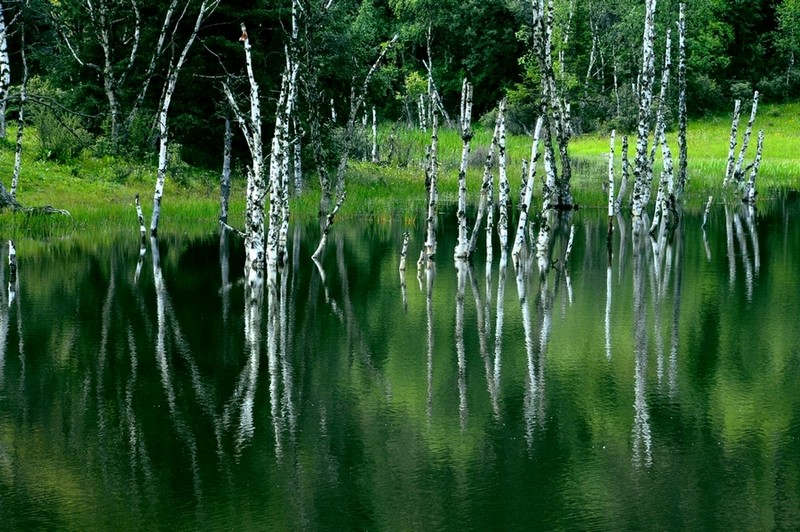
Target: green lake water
(657,390)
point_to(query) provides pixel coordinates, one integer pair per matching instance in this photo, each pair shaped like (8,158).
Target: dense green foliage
(734,47)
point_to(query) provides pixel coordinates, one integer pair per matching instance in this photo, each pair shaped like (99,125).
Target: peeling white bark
(256,186)
(462,245)
(640,169)
(487,177)
(732,143)
(682,118)
(750,188)
(206,8)
(502,183)
(525,204)
(5,73)
(327,229)
(738,172)
(225,178)
(23,98)
(12,272)
(433,196)
(374,136)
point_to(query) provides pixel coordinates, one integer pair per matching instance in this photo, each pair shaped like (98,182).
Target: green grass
(99,192)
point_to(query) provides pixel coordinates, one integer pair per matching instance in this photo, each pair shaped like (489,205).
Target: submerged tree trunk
(256,186)
(206,8)
(503,186)
(737,105)
(356,101)
(465,123)
(738,171)
(487,177)
(682,147)
(433,194)
(225,178)
(749,195)
(640,168)
(23,98)
(611,202)
(525,206)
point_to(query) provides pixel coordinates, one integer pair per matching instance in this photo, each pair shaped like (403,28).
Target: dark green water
(658,393)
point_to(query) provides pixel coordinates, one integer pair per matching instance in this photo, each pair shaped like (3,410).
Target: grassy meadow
(99,192)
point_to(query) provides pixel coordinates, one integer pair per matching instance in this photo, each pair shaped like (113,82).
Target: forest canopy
(77,51)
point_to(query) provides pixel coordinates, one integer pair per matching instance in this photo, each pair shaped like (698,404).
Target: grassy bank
(99,192)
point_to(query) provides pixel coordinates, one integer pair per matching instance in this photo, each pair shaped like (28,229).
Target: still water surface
(654,391)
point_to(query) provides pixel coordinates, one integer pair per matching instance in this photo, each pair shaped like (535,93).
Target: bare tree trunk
(749,196)
(327,229)
(256,186)
(462,247)
(682,147)
(502,183)
(206,8)
(225,178)
(661,124)
(611,202)
(374,137)
(23,98)
(433,196)
(487,177)
(665,195)
(737,105)
(519,240)
(640,168)
(12,272)
(151,67)
(356,101)
(5,73)
(738,171)
(625,173)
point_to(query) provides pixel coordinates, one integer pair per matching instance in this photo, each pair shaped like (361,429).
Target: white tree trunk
(612,206)
(661,124)
(206,8)
(682,119)
(5,73)
(487,177)
(525,205)
(23,98)
(623,185)
(738,171)
(225,178)
(706,211)
(462,246)
(374,136)
(433,196)
(732,143)
(327,229)
(404,251)
(502,181)
(750,189)
(12,272)
(665,194)
(256,186)
(640,169)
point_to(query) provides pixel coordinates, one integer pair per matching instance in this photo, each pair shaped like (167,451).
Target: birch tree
(640,169)
(5,71)
(356,102)
(519,239)
(206,8)
(117,27)
(465,125)
(256,187)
